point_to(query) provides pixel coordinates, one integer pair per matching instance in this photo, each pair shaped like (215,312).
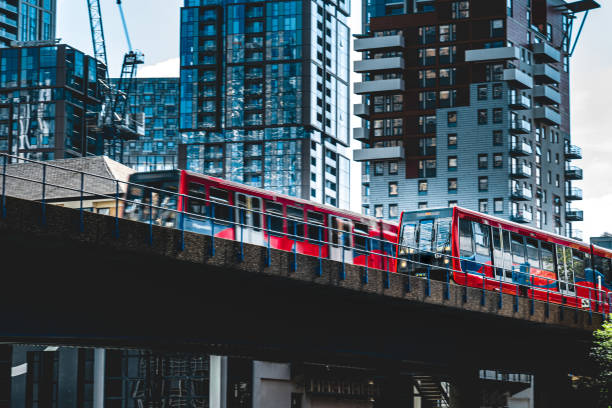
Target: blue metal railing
(601,299)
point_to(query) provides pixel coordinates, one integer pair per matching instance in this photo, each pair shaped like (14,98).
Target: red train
(454,244)
(260,217)
(495,254)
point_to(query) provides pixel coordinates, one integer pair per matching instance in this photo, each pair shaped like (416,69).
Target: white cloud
(163,69)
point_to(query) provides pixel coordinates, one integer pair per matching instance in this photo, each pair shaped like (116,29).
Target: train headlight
(447,248)
(446,260)
(403,264)
(411,251)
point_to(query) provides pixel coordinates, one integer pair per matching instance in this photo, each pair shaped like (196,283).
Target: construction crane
(115,122)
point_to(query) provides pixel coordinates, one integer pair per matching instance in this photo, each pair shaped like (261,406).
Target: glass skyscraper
(264,95)
(157,98)
(26,20)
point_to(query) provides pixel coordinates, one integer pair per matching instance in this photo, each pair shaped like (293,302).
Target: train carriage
(486,252)
(229,210)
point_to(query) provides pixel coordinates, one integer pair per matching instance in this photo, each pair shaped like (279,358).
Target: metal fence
(600,298)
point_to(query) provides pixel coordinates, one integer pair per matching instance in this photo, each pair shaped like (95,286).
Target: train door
(502,257)
(340,234)
(249,215)
(565,270)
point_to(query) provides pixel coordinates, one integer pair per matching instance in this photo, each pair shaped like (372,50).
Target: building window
(378,211)
(393,167)
(509,8)
(452,185)
(452,203)
(452,163)
(447,78)
(483,161)
(448,54)
(422,186)
(427,56)
(498,205)
(498,138)
(498,115)
(365,209)
(483,183)
(452,119)
(483,116)
(379,168)
(452,140)
(498,160)
(483,91)
(483,205)
(497,28)
(460,9)
(427,146)
(497,91)
(427,168)
(427,34)
(422,204)
(448,32)
(393,189)
(393,211)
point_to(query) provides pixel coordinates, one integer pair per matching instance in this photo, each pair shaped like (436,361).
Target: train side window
(274,217)
(548,258)
(533,256)
(361,235)
(507,254)
(295,223)
(498,254)
(466,244)
(316,232)
(250,208)
(443,234)
(341,232)
(408,242)
(196,205)
(220,199)
(426,234)
(578,264)
(518,249)
(602,265)
(482,239)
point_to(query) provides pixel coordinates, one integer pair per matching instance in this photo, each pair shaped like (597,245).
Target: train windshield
(158,188)
(428,231)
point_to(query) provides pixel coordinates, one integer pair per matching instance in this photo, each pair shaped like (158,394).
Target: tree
(601,354)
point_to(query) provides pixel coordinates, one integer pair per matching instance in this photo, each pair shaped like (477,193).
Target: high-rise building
(264,95)
(27,20)
(467,102)
(157,149)
(49,98)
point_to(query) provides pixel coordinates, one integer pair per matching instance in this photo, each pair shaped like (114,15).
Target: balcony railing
(572,214)
(547,115)
(520,126)
(573,194)
(544,52)
(521,194)
(4,5)
(546,74)
(519,101)
(518,79)
(523,217)
(520,171)
(573,152)
(546,95)
(380,85)
(374,43)
(361,109)
(573,173)
(575,234)
(521,149)
(362,134)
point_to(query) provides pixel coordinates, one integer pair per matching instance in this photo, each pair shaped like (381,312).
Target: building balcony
(572,214)
(521,194)
(573,194)
(523,217)
(9,7)
(492,54)
(4,19)
(573,152)
(365,178)
(546,95)
(376,43)
(519,102)
(379,64)
(6,34)
(520,126)
(362,134)
(361,109)
(546,74)
(378,153)
(518,79)
(547,115)
(543,52)
(381,85)
(573,173)
(521,149)
(575,234)
(520,172)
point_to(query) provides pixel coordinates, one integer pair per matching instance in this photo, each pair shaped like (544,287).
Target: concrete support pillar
(99,369)
(218,382)
(68,373)
(465,389)
(552,388)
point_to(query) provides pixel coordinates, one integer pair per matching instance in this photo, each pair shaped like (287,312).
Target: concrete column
(218,382)
(465,390)
(19,372)
(68,372)
(99,369)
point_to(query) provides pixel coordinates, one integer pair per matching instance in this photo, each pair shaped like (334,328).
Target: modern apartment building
(26,20)
(467,102)
(264,95)
(49,98)
(157,149)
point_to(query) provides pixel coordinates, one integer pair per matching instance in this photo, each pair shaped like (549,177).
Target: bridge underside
(64,286)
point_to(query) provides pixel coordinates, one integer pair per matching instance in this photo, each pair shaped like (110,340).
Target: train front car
(152,197)
(602,277)
(425,243)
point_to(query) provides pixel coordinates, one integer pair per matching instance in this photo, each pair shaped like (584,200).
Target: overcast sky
(154,30)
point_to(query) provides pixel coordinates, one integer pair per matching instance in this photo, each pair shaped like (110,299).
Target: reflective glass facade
(26,20)
(264,95)
(157,98)
(49,99)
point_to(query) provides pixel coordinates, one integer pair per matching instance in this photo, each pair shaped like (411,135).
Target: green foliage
(601,355)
